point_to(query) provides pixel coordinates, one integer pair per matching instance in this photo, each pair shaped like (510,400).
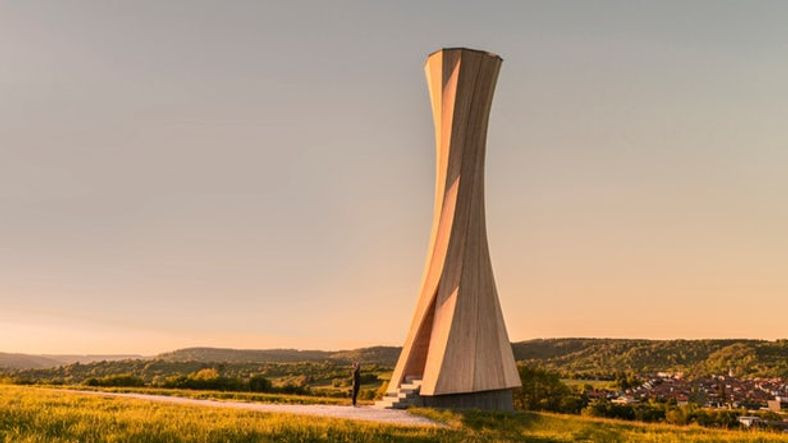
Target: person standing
(356,381)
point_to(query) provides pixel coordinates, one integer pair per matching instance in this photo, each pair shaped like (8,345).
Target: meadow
(294,399)
(34,414)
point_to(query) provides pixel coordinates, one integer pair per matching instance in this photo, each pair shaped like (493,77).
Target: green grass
(549,427)
(223,395)
(32,414)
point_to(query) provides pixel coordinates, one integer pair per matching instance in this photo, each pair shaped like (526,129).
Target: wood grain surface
(457,342)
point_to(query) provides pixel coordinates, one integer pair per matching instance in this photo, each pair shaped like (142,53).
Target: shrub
(543,390)
(604,408)
(125,380)
(293,389)
(258,383)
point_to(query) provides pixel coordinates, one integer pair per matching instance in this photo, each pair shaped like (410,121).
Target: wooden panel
(457,342)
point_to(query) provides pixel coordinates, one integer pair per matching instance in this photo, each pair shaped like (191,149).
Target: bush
(258,383)
(293,389)
(659,412)
(604,408)
(123,380)
(206,379)
(543,390)
(366,378)
(649,412)
(367,394)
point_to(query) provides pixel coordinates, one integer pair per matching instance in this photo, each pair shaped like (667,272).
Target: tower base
(498,400)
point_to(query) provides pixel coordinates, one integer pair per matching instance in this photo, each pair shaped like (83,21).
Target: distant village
(717,391)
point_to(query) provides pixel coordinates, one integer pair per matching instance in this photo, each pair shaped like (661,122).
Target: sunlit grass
(33,414)
(223,395)
(539,426)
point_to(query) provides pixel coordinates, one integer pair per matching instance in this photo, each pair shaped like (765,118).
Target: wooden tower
(457,345)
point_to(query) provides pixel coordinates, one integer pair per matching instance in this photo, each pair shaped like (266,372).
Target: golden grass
(543,427)
(31,414)
(223,395)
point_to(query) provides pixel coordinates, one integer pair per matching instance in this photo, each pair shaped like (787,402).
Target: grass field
(224,395)
(31,414)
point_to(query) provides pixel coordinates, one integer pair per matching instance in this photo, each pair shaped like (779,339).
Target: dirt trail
(365,413)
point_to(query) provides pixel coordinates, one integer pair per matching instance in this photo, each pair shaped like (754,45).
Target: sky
(260,174)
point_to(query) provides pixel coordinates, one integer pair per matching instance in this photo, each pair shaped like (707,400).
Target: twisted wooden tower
(457,345)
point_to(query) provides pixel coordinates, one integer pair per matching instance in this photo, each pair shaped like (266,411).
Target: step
(401,392)
(385,404)
(401,405)
(392,403)
(405,396)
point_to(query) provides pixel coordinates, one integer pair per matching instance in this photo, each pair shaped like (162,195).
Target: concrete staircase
(407,395)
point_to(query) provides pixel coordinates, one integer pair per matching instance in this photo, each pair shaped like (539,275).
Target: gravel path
(365,413)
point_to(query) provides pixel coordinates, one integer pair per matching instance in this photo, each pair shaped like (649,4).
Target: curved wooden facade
(457,341)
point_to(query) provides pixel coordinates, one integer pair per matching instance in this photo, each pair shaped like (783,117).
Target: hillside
(26,361)
(226,355)
(383,355)
(44,361)
(590,356)
(574,357)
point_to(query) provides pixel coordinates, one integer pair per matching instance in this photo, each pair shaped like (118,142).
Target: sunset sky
(260,174)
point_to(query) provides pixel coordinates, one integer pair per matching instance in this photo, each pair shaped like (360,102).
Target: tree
(543,390)
(258,383)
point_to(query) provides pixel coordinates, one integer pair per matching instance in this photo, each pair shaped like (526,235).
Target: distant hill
(226,355)
(25,361)
(384,355)
(588,356)
(580,357)
(572,356)
(30,361)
